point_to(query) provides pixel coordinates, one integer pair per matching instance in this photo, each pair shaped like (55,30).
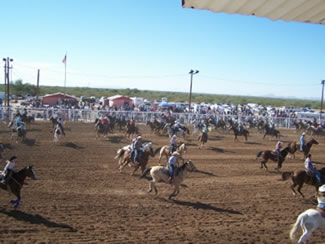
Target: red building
(119,101)
(57,99)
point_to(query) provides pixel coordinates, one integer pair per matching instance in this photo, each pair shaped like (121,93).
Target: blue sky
(153,45)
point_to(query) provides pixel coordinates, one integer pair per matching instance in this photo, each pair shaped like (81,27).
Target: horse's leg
(299,190)
(124,163)
(307,230)
(173,194)
(135,169)
(293,188)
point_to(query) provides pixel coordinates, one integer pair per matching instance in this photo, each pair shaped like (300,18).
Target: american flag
(64,59)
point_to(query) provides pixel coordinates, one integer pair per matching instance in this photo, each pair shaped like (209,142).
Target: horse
(17,132)
(147,151)
(267,154)
(100,128)
(203,138)
(57,133)
(299,177)
(16,181)
(153,126)
(161,174)
(54,122)
(131,130)
(164,151)
(271,132)
(309,221)
(244,133)
(27,119)
(179,131)
(307,147)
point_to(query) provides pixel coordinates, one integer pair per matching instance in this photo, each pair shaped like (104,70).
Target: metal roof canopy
(307,11)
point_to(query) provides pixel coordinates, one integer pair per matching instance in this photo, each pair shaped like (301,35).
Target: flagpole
(65,77)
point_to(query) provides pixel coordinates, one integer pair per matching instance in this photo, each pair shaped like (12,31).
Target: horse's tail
(157,150)
(120,153)
(286,175)
(259,154)
(145,172)
(295,227)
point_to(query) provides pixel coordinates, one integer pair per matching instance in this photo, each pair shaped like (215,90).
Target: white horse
(309,221)
(57,133)
(165,151)
(161,174)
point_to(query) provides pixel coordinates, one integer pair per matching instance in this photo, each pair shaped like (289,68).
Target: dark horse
(299,177)
(27,119)
(16,181)
(100,128)
(306,149)
(143,160)
(244,133)
(271,155)
(271,132)
(131,129)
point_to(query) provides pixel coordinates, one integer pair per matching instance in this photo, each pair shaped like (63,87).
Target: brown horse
(203,138)
(293,146)
(271,155)
(16,181)
(143,160)
(131,130)
(244,133)
(299,177)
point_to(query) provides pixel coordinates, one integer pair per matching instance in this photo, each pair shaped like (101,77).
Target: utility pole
(321,103)
(37,88)
(192,72)
(7,82)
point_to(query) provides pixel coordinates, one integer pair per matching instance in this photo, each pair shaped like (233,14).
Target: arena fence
(88,115)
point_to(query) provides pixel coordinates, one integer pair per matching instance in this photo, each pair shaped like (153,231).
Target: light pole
(7,82)
(192,72)
(321,103)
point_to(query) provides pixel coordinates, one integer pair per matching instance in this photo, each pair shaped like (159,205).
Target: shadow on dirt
(216,149)
(29,142)
(35,219)
(200,205)
(252,143)
(72,145)
(115,139)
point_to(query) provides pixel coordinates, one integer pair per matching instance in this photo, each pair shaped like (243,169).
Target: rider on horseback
(136,149)
(8,170)
(277,151)
(240,128)
(311,170)
(171,166)
(321,197)
(172,147)
(302,142)
(60,123)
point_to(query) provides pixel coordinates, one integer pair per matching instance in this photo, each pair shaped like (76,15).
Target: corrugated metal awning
(307,11)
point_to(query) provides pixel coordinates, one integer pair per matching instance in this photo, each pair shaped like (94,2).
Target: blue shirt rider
(302,142)
(136,147)
(172,161)
(18,120)
(311,170)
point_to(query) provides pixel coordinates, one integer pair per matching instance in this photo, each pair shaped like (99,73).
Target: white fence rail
(88,115)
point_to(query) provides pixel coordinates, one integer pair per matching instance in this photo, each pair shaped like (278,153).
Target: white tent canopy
(307,11)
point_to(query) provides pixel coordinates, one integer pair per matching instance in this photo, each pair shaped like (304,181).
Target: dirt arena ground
(80,197)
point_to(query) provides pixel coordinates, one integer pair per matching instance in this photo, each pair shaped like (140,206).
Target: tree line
(22,89)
